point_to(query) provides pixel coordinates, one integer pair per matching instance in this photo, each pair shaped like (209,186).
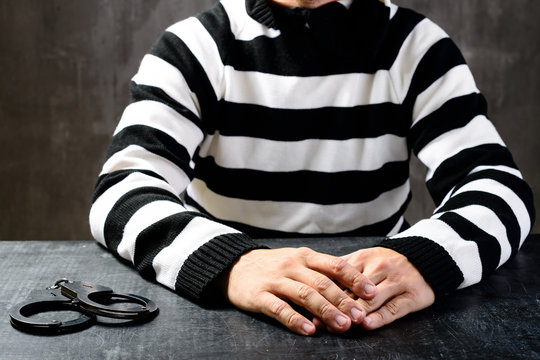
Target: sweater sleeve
(484,208)
(137,208)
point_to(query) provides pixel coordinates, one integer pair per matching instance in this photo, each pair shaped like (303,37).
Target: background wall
(66,66)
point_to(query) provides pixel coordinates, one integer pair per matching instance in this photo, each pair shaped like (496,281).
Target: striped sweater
(250,120)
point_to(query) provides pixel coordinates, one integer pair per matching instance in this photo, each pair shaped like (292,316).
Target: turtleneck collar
(265,13)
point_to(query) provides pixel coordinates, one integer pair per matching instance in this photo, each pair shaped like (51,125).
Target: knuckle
(337,264)
(358,281)
(392,307)
(344,302)
(384,263)
(326,310)
(380,317)
(322,283)
(285,263)
(304,251)
(305,292)
(292,320)
(370,304)
(277,307)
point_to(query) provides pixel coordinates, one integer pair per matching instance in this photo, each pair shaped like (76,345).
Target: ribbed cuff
(434,263)
(200,271)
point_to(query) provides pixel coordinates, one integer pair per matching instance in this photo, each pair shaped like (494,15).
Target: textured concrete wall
(66,66)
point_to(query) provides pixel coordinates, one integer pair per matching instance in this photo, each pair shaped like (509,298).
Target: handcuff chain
(57,283)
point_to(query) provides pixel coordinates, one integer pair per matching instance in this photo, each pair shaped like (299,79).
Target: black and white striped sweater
(249,120)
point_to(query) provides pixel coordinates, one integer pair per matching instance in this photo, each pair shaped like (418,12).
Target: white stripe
(314,155)
(137,157)
(292,92)
(346,3)
(203,47)
(161,117)
(488,221)
(413,49)
(103,205)
(143,218)
(397,227)
(248,29)
(341,90)
(304,218)
(514,201)
(464,253)
(159,73)
(456,82)
(478,131)
(169,261)
(501,168)
(393,8)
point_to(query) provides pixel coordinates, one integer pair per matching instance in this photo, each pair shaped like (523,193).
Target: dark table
(497,319)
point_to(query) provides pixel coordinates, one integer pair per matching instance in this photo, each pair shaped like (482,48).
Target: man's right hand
(264,280)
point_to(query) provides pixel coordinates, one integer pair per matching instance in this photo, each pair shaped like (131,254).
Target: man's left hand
(401,289)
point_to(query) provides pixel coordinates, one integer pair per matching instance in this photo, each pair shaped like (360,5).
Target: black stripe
(488,246)
(367,121)
(216,21)
(439,59)
(155,141)
(494,203)
(302,186)
(454,114)
(434,263)
(128,205)
(173,50)
(106,181)
(399,28)
(381,228)
(155,238)
(145,92)
(454,169)
(292,53)
(198,275)
(514,183)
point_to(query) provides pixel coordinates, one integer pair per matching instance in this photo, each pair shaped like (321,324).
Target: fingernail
(367,321)
(356,314)
(370,288)
(308,328)
(341,320)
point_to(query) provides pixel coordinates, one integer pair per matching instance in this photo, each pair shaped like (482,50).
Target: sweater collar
(263,12)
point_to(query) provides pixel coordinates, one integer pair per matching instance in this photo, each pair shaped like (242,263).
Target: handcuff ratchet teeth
(89,299)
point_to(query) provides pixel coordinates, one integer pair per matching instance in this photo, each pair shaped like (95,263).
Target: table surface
(497,319)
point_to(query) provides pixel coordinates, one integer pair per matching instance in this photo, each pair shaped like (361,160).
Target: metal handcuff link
(89,299)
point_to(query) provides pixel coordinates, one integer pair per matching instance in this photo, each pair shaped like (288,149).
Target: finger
(278,309)
(386,290)
(306,296)
(394,309)
(333,293)
(376,275)
(319,324)
(340,270)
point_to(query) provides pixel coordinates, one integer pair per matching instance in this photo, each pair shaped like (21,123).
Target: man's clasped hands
(370,287)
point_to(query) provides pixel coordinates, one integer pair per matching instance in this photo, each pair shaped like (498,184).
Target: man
(297,118)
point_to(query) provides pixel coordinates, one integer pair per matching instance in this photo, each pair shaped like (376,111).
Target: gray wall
(66,65)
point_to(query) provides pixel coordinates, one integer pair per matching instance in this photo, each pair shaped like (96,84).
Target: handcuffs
(88,299)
